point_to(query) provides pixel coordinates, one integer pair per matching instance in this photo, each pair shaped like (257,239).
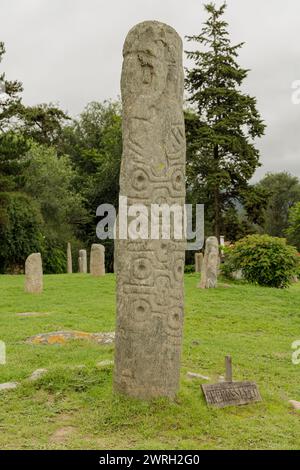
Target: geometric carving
(150,272)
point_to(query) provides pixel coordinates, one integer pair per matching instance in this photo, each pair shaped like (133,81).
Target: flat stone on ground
(105,363)
(62,337)
(193,375)
(8,386)
(37,374)
(32,314)
(295,404)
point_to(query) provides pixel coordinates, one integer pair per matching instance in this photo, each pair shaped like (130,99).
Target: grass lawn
(73,407)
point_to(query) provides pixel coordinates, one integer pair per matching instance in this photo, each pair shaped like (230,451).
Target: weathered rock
(106,363)
(193,375)
(8,386)
(32,314)
(211,261)
(69,259)
(61,337)
(198,262)
(82,261)
(97,260)
(34,274)
(150,271)
(295,404)
(37,374)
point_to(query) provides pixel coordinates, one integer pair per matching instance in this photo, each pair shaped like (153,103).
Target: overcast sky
(70,52)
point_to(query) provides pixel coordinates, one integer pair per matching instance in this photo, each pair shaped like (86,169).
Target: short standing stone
(82,261)
(69,259)
(97,260)
(209,272)
(198,262)
(34,274)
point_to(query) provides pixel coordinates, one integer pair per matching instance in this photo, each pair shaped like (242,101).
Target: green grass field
(73,407)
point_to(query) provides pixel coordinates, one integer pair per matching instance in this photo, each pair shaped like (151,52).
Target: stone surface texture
(97,260)
(150,300)
(34,274)
(210,266)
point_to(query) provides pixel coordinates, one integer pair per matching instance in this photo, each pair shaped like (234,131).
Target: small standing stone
(69,259)
(222,244)
(82,261)
(34,274)
(198,262)
(97,260)
(209,272)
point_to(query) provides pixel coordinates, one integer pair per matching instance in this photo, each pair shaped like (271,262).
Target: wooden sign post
(230,393)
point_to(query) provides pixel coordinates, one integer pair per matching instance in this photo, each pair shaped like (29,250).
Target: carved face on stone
(150,62)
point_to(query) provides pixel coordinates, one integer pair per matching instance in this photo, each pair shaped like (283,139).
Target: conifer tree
(223,122)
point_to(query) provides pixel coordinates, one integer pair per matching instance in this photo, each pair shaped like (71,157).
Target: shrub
(264,260)
(54,258)
(189,268)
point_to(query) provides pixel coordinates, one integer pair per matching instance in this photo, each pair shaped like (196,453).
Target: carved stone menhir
(34,274)
(82,261)
(69,259)
(150,272)
(211,261)
(97,260)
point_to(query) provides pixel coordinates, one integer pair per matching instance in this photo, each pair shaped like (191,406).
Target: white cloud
(70,51)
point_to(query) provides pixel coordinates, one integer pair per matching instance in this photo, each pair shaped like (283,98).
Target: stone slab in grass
(8,386)
(295,404)
(194,375)
(106,363)
(62,337)
(32,314)
(37,374)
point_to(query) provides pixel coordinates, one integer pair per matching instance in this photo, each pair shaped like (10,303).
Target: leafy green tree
(293,230)
(223,121)
(20,230)
(283,192)
(49,179)
(94,143)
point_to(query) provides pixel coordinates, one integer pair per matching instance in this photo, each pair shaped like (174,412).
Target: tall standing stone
(97,260)
(150,272)
(69,259)
(82,261)
(34,274)
(209,272)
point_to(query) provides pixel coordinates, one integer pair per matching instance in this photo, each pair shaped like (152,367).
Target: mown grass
(73,407)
